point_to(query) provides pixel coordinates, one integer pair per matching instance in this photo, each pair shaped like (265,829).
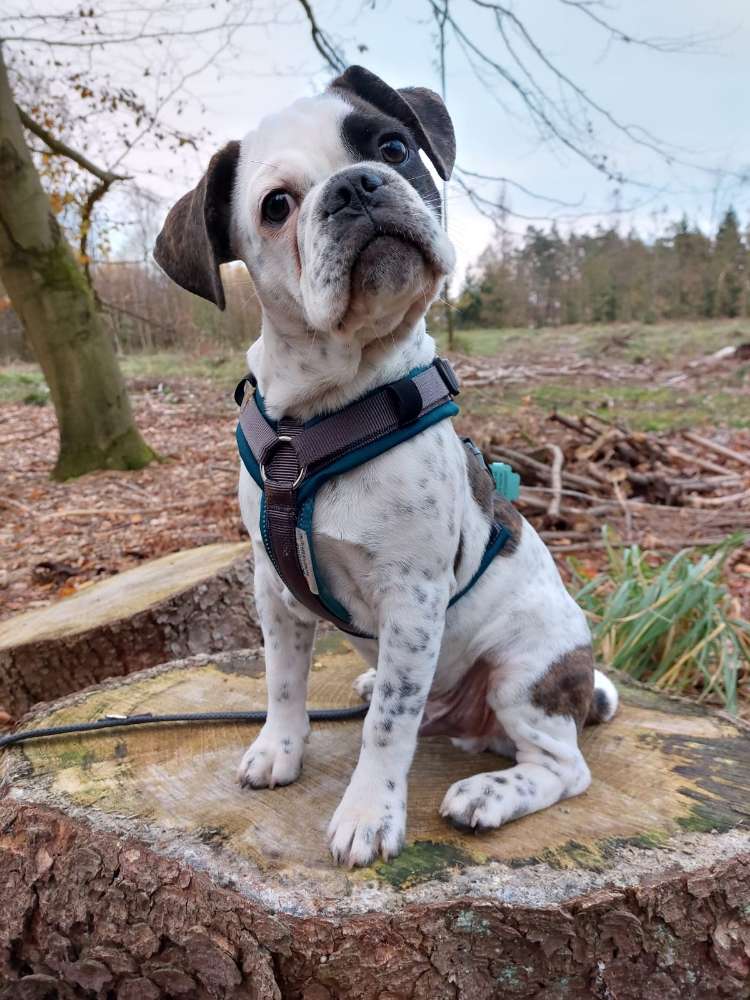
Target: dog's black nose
(353,190)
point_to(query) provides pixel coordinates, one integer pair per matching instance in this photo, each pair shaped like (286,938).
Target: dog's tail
(605,700)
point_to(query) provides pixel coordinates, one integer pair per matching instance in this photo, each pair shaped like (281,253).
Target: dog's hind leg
(544,728)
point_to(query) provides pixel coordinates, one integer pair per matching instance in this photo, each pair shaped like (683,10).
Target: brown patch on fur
(505,513)
(480,480)
(567,688)
(496,507)
(463,711)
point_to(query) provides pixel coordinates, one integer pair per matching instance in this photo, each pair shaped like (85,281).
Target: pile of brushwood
(662,489)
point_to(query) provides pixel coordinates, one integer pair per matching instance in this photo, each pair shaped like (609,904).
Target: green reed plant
(670,622)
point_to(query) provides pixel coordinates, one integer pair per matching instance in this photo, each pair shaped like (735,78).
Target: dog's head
(330,207)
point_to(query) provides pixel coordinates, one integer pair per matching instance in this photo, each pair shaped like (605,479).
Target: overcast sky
(693,101)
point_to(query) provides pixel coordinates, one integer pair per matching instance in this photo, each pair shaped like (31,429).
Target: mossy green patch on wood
(423,861)
(718,770)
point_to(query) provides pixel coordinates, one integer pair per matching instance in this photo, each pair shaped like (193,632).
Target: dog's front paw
(370,821)
(272,759)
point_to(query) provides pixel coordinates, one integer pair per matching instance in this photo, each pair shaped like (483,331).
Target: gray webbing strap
(340,433)
(287,455)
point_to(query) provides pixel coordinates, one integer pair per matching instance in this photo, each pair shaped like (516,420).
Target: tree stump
(197,601)
(132,866)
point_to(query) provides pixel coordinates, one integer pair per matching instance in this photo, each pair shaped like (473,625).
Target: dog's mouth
(391,262)
(395,239)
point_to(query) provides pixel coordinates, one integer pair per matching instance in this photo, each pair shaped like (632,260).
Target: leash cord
(146,719)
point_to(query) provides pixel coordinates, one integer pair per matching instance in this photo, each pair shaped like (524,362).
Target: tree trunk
(50,293)
(196,601)
(133,866)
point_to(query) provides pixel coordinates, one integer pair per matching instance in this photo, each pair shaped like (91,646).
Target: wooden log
(195,601)
(133,866)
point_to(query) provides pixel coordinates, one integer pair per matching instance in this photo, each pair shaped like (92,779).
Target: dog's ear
(420,109)
(195,237)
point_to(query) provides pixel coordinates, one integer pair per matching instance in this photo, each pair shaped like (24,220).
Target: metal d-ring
(283,438)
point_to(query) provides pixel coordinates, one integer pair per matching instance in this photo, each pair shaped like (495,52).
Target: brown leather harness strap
(291,453)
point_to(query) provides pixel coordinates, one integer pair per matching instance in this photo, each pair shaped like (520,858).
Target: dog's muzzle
(361,204)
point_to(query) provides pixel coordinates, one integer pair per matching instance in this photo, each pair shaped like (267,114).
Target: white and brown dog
(338,221)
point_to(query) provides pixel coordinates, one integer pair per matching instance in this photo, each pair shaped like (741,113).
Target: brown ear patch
(195,238)
(568,686)
(419,109)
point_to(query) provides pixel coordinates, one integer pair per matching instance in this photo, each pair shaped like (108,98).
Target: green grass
(223,367)
(631,342)
(23,384)
(670,622)
(639,406)
(640,403)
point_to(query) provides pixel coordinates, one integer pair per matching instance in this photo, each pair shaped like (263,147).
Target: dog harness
(290,460)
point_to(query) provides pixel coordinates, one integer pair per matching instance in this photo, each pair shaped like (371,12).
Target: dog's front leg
(371,818)
(275,757)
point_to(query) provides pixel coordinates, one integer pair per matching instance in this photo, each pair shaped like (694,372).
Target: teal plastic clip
(507,482)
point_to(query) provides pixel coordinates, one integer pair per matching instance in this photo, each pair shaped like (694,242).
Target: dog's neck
(304,376)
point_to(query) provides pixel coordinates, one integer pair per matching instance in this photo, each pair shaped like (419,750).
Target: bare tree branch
(61,148)
(322,42)
(499,179)
(667,45)
(494,210)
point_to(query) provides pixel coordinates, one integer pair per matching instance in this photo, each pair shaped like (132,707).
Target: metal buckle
(447,375)
(282,439)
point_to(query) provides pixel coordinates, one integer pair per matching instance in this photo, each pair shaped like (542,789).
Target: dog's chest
(391,526)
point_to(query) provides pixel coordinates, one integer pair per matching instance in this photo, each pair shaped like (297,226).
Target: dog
(338,221)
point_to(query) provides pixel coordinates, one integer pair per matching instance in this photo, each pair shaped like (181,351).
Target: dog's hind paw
(365,684)
(271,760)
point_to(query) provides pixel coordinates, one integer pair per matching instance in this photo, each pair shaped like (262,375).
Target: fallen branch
(572,424)
(720,449)
(553,511)
(702,463)
(720,501)
(27,437)
(505,454)
(16,505)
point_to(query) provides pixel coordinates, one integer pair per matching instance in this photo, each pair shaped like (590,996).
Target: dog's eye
(277,207)
(394,151)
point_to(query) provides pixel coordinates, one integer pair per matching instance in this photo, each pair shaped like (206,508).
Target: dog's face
(330,207)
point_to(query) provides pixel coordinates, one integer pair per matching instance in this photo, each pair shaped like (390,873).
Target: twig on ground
(720,449)
(8,502)
(702,463)
(553,511)
(27,437)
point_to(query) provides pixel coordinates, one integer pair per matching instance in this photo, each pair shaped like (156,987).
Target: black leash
(146,719)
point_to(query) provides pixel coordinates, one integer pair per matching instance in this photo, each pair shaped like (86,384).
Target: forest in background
(544,278)
(604,276)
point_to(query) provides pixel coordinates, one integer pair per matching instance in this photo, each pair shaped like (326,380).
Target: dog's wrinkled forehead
(299,146)
(314,137)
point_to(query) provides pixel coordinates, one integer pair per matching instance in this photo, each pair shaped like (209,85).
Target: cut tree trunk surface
(195,601)
(132,864)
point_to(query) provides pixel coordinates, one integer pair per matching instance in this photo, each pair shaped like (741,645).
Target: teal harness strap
(301,503)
